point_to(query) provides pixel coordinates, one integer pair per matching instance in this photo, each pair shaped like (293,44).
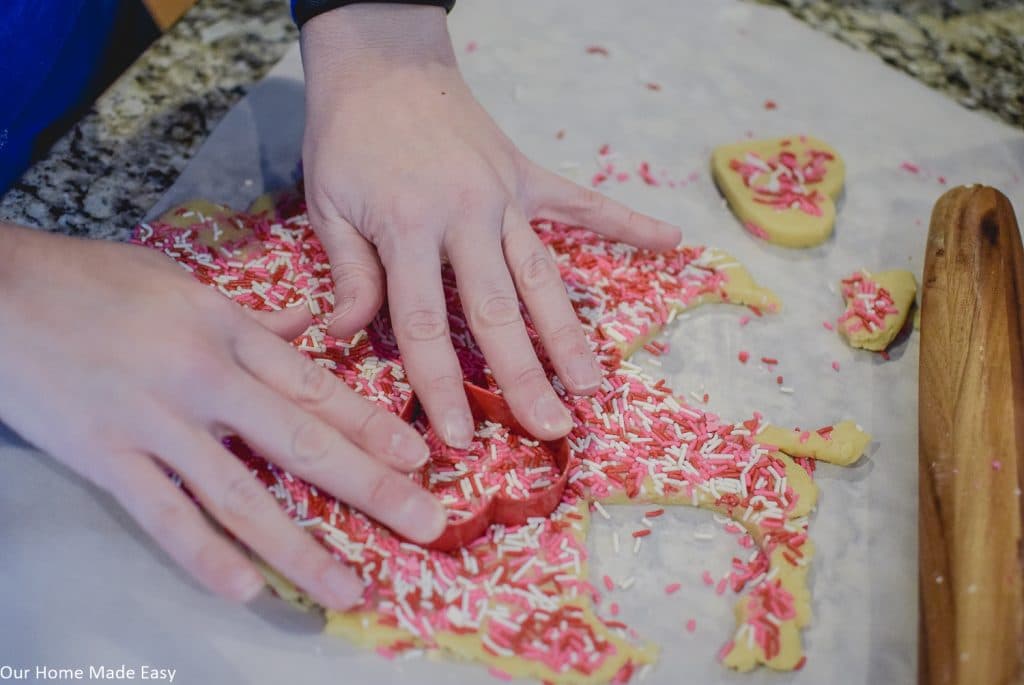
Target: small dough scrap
(877,306)
(783,190)
(841,444)
(214,224)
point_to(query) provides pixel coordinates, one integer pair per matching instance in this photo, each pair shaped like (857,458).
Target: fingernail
(458,428)
(409,450)
(247,585)
(423,517)
(584,373)
(344,587)
(552,415)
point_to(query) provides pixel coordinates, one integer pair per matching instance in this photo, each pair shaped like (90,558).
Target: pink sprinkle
(598,178)
(498,673)
(942,180)
(997,465)
(746,542)
(724,651)
(828,326)
(911,167)
(597,50)
(706,577)
(835,366)
(471,46)
(609,584)
(804,437)
(691,625)
(614,608)
(744,320)
(722,585)
(672,588)
(744,356)
(604,149)
(622,176)
(732,528)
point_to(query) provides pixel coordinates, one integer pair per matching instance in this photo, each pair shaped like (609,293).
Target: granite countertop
(105,173)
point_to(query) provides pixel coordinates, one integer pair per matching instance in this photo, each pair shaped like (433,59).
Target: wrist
(360,43)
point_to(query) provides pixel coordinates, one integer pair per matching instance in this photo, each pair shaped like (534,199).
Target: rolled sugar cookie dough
(783,190)
(841,444)
(877,306)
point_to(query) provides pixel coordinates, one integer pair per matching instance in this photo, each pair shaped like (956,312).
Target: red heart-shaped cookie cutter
(509,511)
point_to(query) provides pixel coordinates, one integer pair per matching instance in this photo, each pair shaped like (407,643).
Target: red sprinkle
(653,86)
(743,356)
(560,134)
(642,533)
(885,355)
(609,583)
(942,180)
(911,167)
(770,105)
(673,588)
(744,320)
(597,50)
(654,513)
(770,361)
(604,149)
(778,380)
(613,608)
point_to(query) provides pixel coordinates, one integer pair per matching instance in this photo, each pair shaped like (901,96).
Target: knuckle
(351,276)
(446,383)
(316,386)
(372,418)
(425,325)
(311,443)
(591,201)
(569,336)
(531,375)
(497,309)
(537,271)
(243,496)
(167,519)
(382,491)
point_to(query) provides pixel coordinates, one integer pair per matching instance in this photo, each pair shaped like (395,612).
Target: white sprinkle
(602,511)
(636,545)
(615,542)
(786,389)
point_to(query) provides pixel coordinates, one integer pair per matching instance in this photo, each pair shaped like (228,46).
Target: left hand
(404,168)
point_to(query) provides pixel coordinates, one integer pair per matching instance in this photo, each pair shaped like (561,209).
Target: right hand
(118,364)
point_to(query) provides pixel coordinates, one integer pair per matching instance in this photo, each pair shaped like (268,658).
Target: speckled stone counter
(102,176)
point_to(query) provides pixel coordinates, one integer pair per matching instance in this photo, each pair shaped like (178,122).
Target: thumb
(286,323)
(358,277)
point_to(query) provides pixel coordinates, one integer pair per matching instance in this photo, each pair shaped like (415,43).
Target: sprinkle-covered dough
(519,599)
(782,190)
(877,305)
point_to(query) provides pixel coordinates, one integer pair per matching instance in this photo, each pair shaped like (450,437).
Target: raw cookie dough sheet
(80,585)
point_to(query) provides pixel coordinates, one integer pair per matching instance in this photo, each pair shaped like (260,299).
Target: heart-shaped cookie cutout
(505,476)
(783,190)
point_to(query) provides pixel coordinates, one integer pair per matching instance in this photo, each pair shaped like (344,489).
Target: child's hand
(403,169)
(119,364)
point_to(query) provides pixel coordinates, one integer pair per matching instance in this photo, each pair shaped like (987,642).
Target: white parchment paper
(80,585)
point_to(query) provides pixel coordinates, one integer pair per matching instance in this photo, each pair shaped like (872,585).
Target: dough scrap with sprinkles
(782,190)
(518,599)
(877,306)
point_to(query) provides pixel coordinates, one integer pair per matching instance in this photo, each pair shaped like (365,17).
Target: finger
(288,323)
(492,309)
(358,277)
(310,386)
(560,199)
(242,505)
(540,285)
(309,448)
(177,525)
(420,319)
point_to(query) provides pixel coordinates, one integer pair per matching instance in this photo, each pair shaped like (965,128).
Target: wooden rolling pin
(971,454)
